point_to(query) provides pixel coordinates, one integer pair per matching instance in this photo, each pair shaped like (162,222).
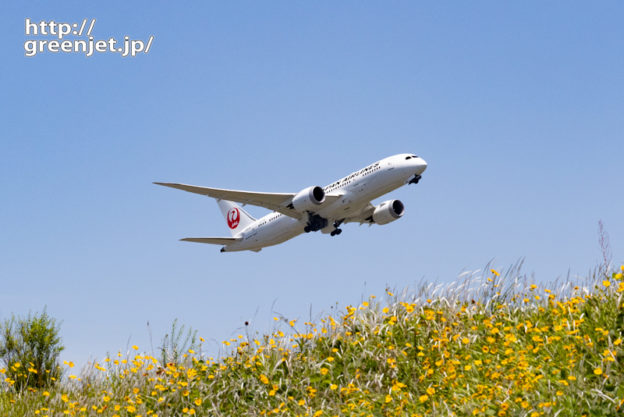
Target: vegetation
(29,350)
(176,343)
(485,345)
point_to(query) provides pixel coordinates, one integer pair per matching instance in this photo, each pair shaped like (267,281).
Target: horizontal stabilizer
(212,240)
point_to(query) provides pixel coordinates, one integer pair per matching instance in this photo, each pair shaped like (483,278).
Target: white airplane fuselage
(357,191)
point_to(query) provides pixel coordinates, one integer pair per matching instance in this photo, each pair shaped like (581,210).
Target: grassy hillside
(486,345)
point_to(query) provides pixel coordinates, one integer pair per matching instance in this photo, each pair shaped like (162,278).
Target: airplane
(314,208)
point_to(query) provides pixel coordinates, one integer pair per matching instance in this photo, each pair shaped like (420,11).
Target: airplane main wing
(362,216)
(272,201)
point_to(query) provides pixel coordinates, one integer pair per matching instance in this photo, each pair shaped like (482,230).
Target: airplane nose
(422,165)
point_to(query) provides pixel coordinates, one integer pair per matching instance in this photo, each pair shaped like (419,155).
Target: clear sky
(516,106)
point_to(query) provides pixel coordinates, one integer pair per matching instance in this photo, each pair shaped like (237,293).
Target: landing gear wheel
(336,232)
(415,179)
(306,229)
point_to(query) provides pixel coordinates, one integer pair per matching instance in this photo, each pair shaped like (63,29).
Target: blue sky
(517,108)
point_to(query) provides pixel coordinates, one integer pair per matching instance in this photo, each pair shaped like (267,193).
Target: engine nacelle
(388,211)
(308,199)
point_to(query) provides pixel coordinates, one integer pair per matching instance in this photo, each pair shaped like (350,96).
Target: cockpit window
(408,157)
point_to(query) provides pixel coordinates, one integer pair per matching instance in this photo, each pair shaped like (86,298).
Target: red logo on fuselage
(233,218)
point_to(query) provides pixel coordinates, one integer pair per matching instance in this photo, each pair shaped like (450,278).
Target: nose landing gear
(415,180)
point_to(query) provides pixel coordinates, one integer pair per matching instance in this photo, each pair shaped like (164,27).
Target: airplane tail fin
(237,219)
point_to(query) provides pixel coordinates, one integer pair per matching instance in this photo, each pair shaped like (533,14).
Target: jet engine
(308,199)
(388,211)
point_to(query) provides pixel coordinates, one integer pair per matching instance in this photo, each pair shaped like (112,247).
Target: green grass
(484,345)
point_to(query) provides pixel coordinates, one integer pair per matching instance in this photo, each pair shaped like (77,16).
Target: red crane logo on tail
(233,218)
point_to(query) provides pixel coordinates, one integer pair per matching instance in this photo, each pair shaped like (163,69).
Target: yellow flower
(333,387)
(598,371)
(423,398)
(465,340)
(430,390)
(617,342)
(324,371)
(606,283)
(495,272)
(135,347)
(388,398)
(264,379)
(46,394)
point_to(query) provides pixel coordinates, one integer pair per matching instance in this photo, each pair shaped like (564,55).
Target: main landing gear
(315,223)
(415,179)
(336,231)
